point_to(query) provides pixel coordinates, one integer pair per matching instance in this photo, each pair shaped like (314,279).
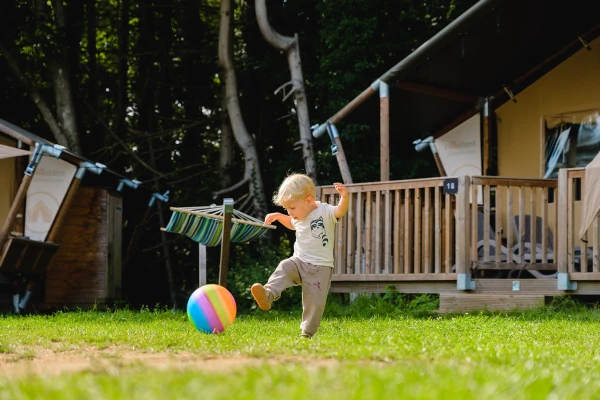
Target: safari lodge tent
(64,236)
(507,100)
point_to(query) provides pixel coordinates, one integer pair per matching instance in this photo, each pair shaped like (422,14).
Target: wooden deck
(468,239)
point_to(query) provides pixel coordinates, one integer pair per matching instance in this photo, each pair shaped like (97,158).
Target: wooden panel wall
(86,270)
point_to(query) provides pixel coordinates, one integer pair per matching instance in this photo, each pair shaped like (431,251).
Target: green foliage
(391,303)
(565,303)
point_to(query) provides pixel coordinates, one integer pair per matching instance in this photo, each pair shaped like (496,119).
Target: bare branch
(246,203)
(165,132)
(276,40)
(35,96)
(282,87)
(118,139)
(230,188)
(187,178)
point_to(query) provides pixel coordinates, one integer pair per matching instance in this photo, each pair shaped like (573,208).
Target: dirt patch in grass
(47,362)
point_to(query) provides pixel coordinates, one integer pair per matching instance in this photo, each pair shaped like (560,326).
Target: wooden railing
(514,225)
(580,258)
(400,230)
(412,230)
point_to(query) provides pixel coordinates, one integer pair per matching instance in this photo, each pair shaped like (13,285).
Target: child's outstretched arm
(283,219)
(342,208)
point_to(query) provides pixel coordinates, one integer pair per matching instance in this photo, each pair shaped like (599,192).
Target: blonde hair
(295,187)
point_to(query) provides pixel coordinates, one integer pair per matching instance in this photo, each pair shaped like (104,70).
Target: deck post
(384,130)
(563,281)
(463,261)
(486,137)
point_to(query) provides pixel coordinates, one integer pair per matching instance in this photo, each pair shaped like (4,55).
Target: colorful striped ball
(211,309)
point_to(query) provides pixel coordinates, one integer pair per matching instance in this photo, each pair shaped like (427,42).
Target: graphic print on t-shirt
(317,229)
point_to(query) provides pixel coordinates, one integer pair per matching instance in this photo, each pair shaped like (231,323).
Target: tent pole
(20,165)
(225,241)
(56,225)
(14,210)
(20,196)
(201,265)
(384,132)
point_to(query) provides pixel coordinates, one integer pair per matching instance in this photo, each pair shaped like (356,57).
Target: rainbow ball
(211,309)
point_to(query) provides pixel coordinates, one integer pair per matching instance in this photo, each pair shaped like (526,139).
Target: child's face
(299,209)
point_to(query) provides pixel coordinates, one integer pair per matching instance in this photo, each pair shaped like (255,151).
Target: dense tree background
(144,80)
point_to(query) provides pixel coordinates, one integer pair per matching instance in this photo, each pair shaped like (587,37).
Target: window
(572,140)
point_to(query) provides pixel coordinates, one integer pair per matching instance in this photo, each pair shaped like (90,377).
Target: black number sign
(450,186)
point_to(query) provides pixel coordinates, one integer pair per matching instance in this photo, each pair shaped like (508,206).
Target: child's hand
(341,189)
(342,207)
(270,218)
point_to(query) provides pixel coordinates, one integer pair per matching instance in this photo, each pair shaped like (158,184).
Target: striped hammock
(205,225)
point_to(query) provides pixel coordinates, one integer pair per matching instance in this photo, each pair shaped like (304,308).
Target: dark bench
(27,256)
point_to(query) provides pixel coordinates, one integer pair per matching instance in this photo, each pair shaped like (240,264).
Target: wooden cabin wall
(87,269)
(571,86)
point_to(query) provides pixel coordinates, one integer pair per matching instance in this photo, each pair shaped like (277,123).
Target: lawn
(362,351)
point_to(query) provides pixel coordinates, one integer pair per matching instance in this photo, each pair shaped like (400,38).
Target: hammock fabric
(205,225)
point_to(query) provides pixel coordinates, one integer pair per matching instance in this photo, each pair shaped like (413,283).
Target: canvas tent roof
(9,152)
(496,43)
(31,139)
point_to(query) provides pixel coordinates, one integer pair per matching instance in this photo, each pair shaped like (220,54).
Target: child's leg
(316,281)
(285,275)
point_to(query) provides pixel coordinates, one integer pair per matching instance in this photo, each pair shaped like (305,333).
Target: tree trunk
(120,114)
(39,101)
(91,18)
(252,172)
(292,49)
(65,106)
(66,121)
(62,123)
(226,155)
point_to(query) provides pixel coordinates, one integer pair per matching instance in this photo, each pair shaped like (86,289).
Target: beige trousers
(315,281)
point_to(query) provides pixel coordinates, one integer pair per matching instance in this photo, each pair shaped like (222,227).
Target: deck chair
(550,240)
(504,251)
(527,245)
(526,238)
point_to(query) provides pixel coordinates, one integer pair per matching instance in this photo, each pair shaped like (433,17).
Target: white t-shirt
(315,236)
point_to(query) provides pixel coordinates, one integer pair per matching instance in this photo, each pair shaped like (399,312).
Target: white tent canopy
(8,152)
(591,195)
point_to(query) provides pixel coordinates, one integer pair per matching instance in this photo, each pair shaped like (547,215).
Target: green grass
(368,350)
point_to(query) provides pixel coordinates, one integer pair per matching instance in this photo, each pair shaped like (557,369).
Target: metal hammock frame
(205,225)
(208,225)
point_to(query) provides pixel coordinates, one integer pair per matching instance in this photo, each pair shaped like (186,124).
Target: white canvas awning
(591,195)
(8,152)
